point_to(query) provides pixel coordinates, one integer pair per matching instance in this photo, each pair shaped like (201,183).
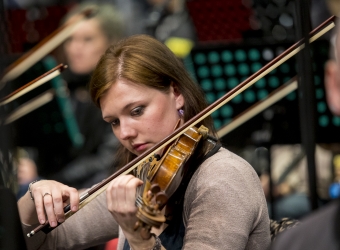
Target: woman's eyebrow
(126,107)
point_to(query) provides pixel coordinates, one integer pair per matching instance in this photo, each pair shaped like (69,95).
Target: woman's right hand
(49,199)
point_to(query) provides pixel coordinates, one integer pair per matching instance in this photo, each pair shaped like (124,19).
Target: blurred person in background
(91,162)
(320,229)
(290,188)
(169,22)
(26,173)
(289,175)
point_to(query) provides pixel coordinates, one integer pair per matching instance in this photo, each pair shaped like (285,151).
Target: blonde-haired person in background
(26,168)
(84,166)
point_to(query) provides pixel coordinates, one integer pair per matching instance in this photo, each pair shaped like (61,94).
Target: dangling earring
(181,113)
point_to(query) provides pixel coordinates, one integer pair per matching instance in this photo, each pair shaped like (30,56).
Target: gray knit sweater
(224,208)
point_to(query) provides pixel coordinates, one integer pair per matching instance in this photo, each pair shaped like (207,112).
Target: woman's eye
(88,39)
(137,111)
(115,122)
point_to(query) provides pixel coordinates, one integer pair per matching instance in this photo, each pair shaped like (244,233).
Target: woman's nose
(75,46)
(127,132)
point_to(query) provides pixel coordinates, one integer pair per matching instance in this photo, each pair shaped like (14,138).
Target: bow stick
(29,106)
(43,48)
(102,186)
(249,113)
(33,84)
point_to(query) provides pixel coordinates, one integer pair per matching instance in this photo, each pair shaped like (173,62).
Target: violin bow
(43,48)
(102,186)
(29,106)
(33,84)
(258,107)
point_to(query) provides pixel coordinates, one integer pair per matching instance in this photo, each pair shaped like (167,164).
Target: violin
(159,179)
(164,177)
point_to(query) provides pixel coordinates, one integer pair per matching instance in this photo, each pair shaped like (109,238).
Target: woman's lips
(140,147)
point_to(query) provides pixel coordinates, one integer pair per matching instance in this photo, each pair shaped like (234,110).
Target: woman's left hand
(120,198)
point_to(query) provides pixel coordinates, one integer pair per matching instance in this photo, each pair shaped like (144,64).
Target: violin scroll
(150,215)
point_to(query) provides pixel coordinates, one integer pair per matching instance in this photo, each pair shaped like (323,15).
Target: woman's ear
(332,86)
(178,95)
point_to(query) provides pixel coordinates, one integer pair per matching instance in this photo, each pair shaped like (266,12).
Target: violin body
(164,177)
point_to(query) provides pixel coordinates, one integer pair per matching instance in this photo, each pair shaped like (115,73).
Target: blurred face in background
(85,46)
(332,80)
(27,171)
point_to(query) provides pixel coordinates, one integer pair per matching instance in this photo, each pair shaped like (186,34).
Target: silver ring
(29,189)
(46,194)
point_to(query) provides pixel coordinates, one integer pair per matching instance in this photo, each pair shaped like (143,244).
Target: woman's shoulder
(226,177)
(225,167)
(225,160)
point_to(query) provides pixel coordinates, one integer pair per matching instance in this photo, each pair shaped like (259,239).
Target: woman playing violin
(143,91)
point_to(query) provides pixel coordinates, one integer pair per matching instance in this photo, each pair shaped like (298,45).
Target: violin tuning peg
(137,225)
(157,156)
(155,188)
(161,199)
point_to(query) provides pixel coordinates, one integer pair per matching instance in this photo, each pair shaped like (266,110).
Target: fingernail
(42,221)
(53,224)
(74,208)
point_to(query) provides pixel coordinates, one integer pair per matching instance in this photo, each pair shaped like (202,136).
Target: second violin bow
(42,48)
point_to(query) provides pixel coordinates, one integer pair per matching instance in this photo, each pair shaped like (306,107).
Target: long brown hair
(144,60)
